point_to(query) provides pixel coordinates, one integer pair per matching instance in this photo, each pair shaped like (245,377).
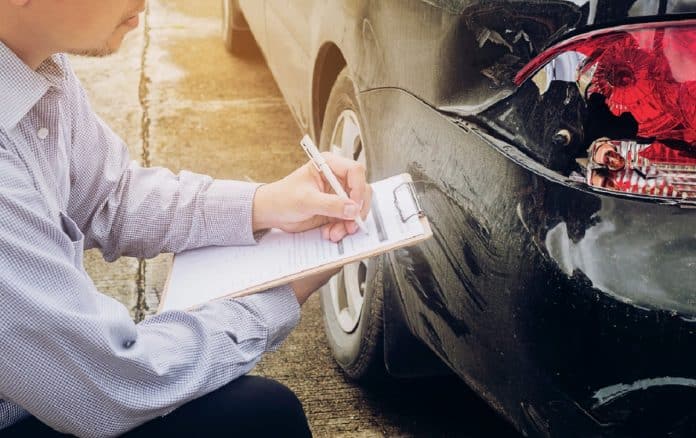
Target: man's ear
(20,2)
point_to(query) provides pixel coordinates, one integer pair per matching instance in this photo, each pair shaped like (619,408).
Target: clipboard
(405,201)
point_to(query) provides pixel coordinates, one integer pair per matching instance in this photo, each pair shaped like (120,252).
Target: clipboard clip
(409,187)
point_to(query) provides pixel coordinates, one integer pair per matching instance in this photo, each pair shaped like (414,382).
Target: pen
(321,165)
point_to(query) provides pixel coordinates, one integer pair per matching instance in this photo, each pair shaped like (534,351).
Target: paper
(205,274)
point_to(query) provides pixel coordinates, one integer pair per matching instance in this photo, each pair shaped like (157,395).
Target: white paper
(205,274)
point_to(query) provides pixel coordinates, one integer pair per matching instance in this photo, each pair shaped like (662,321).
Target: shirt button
(42,133)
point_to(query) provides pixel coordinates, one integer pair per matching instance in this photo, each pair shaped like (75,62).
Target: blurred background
(179,100)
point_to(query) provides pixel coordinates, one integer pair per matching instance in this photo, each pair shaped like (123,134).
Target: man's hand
(305,287)
(303,200)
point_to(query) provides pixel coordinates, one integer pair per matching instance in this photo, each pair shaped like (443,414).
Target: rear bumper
(569,311)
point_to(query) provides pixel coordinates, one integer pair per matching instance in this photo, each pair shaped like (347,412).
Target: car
(552,145)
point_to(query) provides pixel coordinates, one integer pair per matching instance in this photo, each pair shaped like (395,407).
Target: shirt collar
(21,87)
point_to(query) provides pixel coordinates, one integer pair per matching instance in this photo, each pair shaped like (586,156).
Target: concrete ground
(180,101)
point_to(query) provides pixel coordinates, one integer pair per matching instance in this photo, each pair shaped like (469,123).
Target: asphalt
(179,100)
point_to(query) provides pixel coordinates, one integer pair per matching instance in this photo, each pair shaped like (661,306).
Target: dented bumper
(572,311)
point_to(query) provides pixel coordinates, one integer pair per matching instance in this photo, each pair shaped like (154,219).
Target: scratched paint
(610,393)
(515,291)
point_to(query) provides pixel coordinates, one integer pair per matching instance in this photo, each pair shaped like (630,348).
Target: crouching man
(71,359)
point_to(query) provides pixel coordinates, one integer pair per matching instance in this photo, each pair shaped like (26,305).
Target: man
(71,359)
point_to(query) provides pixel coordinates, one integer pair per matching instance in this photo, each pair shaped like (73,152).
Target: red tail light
(649,72)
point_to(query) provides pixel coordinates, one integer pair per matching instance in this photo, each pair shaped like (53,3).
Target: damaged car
(553,145)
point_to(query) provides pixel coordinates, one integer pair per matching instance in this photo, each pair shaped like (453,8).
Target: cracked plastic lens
(649,72)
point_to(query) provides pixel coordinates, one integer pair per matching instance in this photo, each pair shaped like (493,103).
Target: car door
(289,31)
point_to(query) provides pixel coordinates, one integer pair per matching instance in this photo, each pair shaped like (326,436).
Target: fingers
(332,205)
(336,231)
(366,202)
(351,227)
(326,232)
(342,212)
(353,173)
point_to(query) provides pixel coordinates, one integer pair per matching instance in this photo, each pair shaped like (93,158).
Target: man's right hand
(304,200)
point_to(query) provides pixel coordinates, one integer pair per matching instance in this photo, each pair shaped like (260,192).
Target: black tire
(236,35)
(359,353)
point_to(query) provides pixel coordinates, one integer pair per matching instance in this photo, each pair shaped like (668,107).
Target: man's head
(35,29)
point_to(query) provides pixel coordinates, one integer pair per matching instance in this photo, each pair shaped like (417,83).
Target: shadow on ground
(432,406)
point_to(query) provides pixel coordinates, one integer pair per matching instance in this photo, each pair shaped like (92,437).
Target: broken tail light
(641,168)
(647,72)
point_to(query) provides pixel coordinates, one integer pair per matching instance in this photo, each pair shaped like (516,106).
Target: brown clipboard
(405,214)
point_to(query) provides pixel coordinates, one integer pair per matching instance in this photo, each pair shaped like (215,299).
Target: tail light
(641,168)
(647,73)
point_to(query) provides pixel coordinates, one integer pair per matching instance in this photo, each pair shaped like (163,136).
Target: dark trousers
(249,406)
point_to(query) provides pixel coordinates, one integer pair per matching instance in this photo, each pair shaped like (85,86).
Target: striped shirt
(69,355)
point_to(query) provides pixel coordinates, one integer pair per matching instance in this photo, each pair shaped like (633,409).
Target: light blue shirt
(69,355)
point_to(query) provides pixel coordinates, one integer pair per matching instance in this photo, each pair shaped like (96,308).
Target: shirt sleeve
(125,209)
(73,357)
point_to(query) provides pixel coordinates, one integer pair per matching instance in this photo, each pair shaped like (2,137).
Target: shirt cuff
(280,311)
(228,212)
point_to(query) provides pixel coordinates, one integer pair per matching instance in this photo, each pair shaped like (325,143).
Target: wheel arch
(330,61)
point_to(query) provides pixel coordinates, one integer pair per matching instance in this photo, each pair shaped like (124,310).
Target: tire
(236,35)
(359,351)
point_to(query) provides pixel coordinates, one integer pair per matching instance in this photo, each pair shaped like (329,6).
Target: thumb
(326,204)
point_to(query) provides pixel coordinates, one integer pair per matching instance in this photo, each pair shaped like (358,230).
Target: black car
(554,148)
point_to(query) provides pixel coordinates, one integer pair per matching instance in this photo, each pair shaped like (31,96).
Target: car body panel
(547,297)
(255,15)
(502,296)
(289,32)
(503,35)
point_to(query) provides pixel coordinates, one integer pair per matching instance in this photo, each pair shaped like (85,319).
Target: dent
(633,253)
(515,35)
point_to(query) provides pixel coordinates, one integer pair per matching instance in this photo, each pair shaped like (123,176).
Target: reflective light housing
(641,168)
(649,72)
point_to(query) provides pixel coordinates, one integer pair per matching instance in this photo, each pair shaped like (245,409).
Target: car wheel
(352,300)
(235,30)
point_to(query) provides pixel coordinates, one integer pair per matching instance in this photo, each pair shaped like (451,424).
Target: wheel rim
(225,18)
(347,288)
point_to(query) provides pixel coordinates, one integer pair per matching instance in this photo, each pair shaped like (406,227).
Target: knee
(278,404)
(279,395)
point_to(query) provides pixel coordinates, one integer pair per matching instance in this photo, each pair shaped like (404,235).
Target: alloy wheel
(347,288)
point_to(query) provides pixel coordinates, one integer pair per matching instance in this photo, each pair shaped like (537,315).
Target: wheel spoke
(345,318)
(350,134)
(361,158)
(335,289)
(352,288)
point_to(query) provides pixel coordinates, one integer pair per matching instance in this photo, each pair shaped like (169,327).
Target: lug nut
(561,138)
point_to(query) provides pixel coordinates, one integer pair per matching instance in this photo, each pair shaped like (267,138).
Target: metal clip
(412,192)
